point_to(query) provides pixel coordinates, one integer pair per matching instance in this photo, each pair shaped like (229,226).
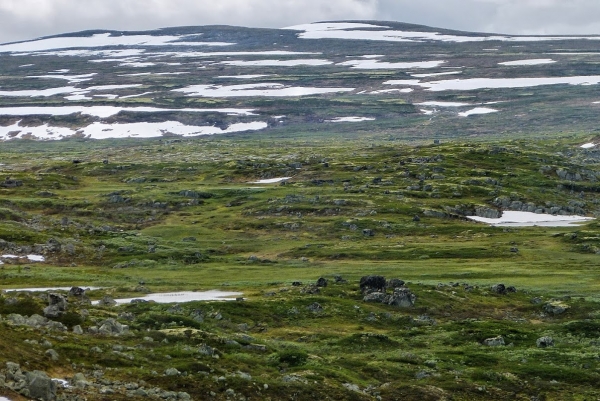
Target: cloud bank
(28,19)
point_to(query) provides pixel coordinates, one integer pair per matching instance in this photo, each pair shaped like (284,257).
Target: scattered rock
(377,297)
(394,283)
(107,301)
(52,354)
(172,372)
(40,386)
(494,342)
(545,342)
(315,307)
(499,289)
(555,308)
(322,282)
(402,297)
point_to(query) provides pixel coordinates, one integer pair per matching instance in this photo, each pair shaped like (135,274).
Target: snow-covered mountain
(397,79)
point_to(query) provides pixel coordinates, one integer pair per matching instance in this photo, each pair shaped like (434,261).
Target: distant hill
(404,81)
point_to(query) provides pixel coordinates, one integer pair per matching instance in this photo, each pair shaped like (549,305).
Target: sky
(29,19)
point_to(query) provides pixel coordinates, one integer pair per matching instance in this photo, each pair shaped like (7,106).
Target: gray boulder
(57,305)
(402,297)
(545,342)
(40,386)
(488,213)
(322,282)
(107,301)
(378,297)
(494,342)
(112,327)
(555,308)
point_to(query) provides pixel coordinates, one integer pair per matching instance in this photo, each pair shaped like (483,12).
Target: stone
(378,297)
(402,297)
(107,301)
(499,289)
(315,307)
(394,283)
(494,342)
(555,308)
(172,372)
(322,282)
(545,342)
(57,305)
(52,354)
(112,327)
(79,381)
(76,292)
(40,386)
(367,232)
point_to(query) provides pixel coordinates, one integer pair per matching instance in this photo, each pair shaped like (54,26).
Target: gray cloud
(527,17)
(27,19)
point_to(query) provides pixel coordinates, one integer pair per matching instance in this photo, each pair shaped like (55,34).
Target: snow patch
(529,219)
(255,90)
(477,110)
(271,180)
(186,296)
(276,63)
(350,119)
(132,130)
(496,83)
(383,65)
(107,111)
(538,61)
(102,40)
(358,31)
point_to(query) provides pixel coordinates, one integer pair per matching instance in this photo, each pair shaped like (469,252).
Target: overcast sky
(28,19)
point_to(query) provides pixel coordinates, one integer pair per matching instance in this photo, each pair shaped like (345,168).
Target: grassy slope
(301,231)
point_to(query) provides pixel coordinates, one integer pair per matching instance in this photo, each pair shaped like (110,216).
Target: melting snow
(528,219)
(100,40)
(243,76)
(357,31)
(443,104)
(44,289)
(188,296)
(73,79)
(253,90)
(271,180)
(350,119)
(108,111)
(528,62)
(405,90)
(436,74)
(74,93)
(382,65)
(133,130)
(31,258)
(277,63)
(481,83)
(588,145)
(477,110)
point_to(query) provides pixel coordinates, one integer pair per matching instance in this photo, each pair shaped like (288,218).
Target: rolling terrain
(342,184)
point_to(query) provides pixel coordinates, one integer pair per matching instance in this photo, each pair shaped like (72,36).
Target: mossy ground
(182,215)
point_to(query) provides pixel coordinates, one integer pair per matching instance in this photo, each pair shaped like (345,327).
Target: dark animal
(372,283)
